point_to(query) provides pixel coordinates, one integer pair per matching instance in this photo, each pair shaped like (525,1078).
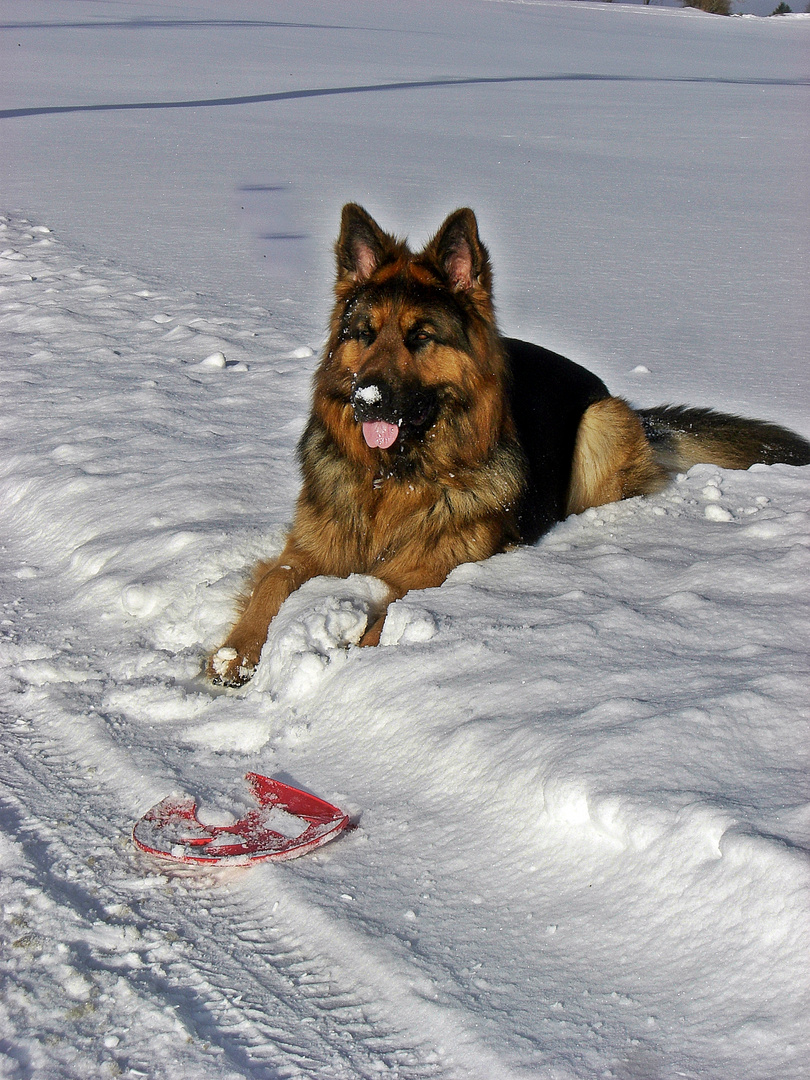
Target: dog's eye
(363,334)
(420,336)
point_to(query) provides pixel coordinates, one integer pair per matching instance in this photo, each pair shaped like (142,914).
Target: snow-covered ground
(579,771)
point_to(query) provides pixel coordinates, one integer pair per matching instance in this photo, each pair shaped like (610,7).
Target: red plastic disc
(286,823)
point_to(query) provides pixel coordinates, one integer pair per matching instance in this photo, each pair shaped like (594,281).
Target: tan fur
(612,458)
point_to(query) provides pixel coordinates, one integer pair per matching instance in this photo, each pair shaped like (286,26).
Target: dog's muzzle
(388,413)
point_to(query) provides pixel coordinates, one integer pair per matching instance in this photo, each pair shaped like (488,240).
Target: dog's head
(414,369)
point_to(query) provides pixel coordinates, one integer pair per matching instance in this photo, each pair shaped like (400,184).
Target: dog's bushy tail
(681,437)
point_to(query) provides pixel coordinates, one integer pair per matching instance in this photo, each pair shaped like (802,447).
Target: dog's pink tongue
(379,433)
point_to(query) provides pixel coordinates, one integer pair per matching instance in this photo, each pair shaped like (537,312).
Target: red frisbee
(286,823)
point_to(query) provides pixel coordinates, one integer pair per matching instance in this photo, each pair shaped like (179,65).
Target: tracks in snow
(164,974)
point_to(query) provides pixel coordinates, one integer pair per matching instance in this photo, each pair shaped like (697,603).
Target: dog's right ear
(362,245)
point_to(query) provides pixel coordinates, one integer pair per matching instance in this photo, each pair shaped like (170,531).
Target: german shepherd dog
(434,441)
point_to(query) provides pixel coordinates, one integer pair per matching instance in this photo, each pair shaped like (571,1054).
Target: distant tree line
(723,7)
(716,7)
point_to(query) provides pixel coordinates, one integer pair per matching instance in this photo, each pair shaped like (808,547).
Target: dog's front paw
(227,667)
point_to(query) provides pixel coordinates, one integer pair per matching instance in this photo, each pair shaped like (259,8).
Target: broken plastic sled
(286,823)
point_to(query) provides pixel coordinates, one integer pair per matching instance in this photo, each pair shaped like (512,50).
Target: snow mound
(308,638)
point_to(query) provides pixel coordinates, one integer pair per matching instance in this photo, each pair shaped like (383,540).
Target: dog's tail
(681,437)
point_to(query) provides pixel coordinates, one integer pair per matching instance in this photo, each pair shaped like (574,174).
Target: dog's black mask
(413,408)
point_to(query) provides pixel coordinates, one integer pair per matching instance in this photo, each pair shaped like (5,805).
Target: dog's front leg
(235,660)
(372,635)
(425,565)
(398,586)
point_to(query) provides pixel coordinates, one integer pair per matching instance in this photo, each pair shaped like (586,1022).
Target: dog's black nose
(373,399)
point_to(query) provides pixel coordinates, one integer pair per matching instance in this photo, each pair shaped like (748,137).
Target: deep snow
(579,771)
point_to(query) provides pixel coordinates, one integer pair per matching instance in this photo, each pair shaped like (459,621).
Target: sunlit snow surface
(579,770)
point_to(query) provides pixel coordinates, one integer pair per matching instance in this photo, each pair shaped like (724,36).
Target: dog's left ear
(458,252)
